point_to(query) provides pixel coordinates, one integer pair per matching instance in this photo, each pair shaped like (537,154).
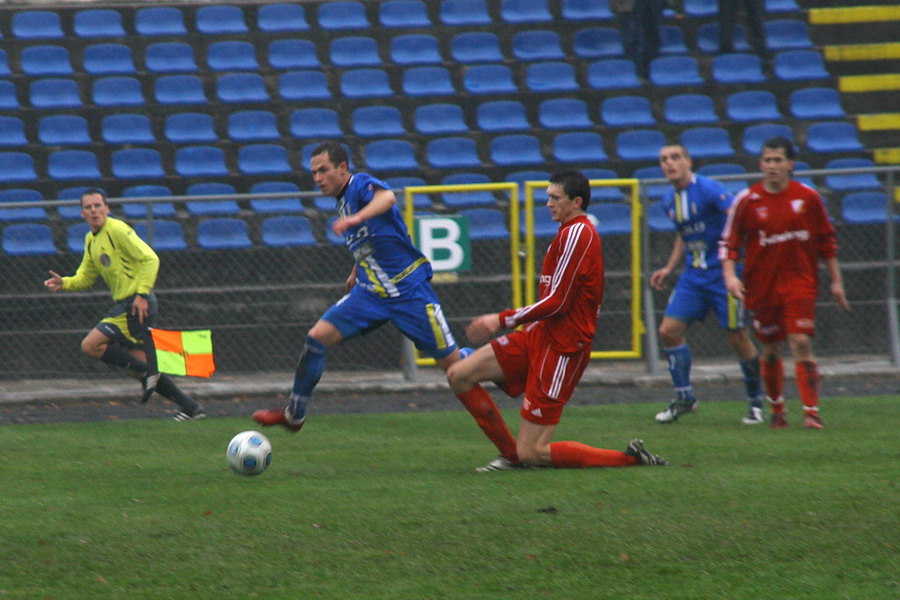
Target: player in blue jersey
(390,281)
(699,207)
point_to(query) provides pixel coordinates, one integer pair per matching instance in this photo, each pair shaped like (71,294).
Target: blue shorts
(122,327)
(417,314)
(697,292)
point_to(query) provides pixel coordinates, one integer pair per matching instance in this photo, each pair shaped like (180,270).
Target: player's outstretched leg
(309,370)
(679,359)
(755,396)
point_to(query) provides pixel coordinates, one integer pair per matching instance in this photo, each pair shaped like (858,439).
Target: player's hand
(140,308)
(837,292)
(483,328)
(735,287)
(55,283)
(658,279)
(342,224)
(351,281)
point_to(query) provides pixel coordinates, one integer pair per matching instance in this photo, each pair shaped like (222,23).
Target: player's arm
(83,279)
(837,282)
(733,283)
(729,249)
(351,279)
(382,201)
(658,278)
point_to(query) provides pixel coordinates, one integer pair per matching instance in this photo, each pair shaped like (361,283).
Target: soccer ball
(249,453)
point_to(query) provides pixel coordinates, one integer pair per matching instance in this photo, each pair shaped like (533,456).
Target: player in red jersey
(784,230)
(546,358)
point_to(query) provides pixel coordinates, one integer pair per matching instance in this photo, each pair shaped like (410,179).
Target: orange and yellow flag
(184,352)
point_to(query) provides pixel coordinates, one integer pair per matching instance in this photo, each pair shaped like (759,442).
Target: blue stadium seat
(640,144)
(43,61)
(170,57)
(37,25)
(275,205)
(612,73)
(465,12)
(54,93)
(117,91)
(701,8)
(12,132)
(537,44)
(377,121)
(287,231)
(28,239)
(223,234)
(73,164)
(4,64)
(657,219)
(203,208)
(221,20)
(396,14)
(586,10)
(263,159)
(684,109)
(179,89)
(139,210)
(603,193)
(242,87)
(137,163)
(707,142)
(365,83)
(516,150)
(564,113)
(627,111)
(475,47)
(315,123)
(32,213)
(200,161)
(551,77)
(98,23)
(75,236)
(485,224)
(525,11)
(851,182)
(167,236)
(752,105)
(708,38)
(787,34)
(293,54)
(866,208)
(355,51)
(733,185)
(653,191)
(453,153)
(520,177)
(415,49)
(598,42)
(282,18)
(343,15)
(427,81)
(799,165)
(303,85)
(832,136)
(126,128)
(160,21)
(108,59)
(578,147)
(781,6)
(672,40)
(612,218)
(737,68)
(675,70)
(755,135)
(800,65)
(16,166)
(252,125)
(544,225)
(231,55)
(440,119)
(189,128)
(489,79)
(816,103)
(502,115)
(73,212)
(420,201)
(467,199)
(8,97)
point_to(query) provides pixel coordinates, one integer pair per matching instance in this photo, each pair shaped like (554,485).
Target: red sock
(481,406)
(773,376)
(575,455)
(808,385)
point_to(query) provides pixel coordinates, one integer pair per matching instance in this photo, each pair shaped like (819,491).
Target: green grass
(388,506)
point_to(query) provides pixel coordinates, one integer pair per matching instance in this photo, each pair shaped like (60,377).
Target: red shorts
(773,323)
(532,366)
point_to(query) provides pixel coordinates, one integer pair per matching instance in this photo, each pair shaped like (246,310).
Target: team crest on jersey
(797,206)
(762,212)
(105,260)
(502,340)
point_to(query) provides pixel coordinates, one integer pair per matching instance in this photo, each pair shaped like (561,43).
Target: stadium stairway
(861,48)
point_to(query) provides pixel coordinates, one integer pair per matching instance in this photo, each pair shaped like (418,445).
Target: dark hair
(336,153)
(92,192)
(684,149)
(574,184)
(777,142)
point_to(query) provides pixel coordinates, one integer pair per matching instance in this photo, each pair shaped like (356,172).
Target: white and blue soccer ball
(249,453)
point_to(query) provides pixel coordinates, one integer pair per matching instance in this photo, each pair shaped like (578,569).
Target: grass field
(388,506)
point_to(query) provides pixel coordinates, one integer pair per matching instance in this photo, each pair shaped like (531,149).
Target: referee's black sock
(118,356)
(167,388)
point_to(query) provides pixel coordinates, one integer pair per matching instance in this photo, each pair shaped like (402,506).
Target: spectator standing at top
(756,34)
(640,22)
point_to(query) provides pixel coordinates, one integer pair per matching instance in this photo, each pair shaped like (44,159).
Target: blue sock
(306,377)
(679,359)
(752,381)
(465,351)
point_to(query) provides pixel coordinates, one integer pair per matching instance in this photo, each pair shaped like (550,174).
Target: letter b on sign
(445,242)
